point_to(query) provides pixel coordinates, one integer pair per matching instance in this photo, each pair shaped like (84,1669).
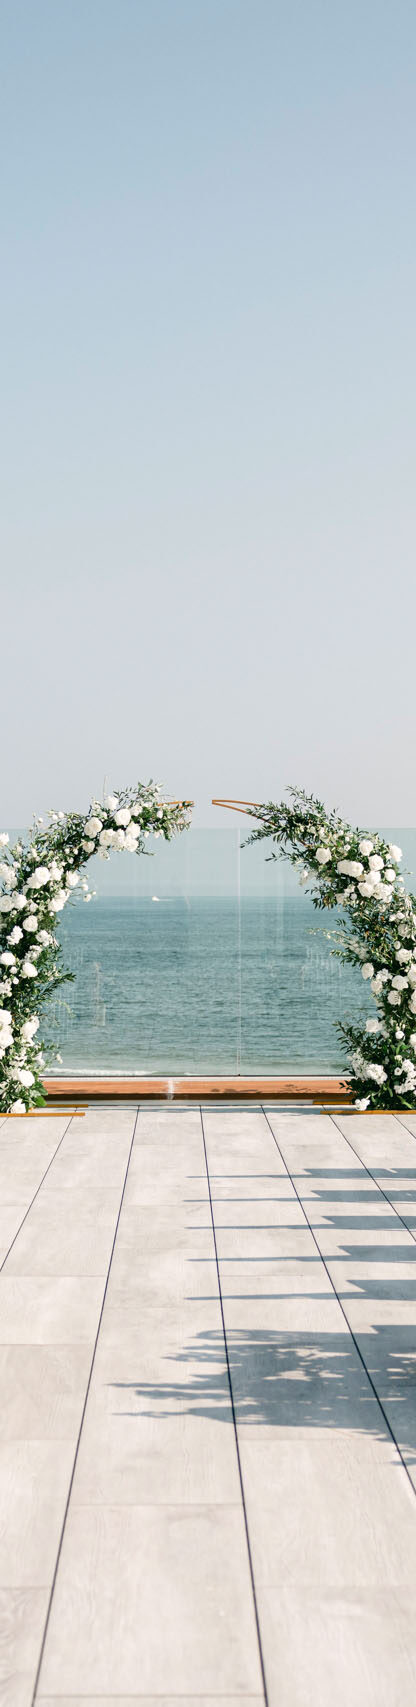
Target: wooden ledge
(328,1090)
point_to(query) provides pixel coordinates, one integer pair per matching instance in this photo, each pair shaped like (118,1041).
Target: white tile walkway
(208,1409)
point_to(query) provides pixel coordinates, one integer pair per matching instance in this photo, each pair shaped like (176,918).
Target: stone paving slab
(208,1419)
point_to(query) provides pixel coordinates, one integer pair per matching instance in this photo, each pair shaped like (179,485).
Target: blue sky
(208,400)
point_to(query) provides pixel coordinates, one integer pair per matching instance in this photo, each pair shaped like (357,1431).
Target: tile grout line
(36,1193)
(78,1443)
(343,1312)
(376,1182)
(237,1446)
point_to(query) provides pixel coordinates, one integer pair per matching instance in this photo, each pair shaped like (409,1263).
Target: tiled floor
(208,1411)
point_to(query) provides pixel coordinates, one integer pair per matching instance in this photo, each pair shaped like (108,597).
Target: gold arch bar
(237,805)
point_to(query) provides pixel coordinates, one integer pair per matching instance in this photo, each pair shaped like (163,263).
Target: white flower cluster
(35,889)
(360,873)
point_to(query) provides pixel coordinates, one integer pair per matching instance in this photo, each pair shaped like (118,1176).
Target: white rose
(395,853)
(31,923)
(29,1028)
(123,816)
(3,839)
(119,839)
(25,1076)
(16,934)
(58,902)
(372,1025)
(350,867)
(374,1071)
(89,847)
(137,808)
(41,875)
(5,1017)
(403,954)
(393,998)
(412,1040)
(131,842)
(399,1033)
(107,838)
(19,901)
(7,959)
(411,976)
(365,847)
(361,1102)
(71,880)
(56,871)
(390,875)
(367,970)
(366,889)
(29,970)
(112,802)
(322,854)
(399,983)
(412,1003)
(44,938)
(18,1107)
(7,904)
(92,827)
(375,862)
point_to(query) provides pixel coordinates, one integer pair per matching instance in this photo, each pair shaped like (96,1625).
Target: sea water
(202,984)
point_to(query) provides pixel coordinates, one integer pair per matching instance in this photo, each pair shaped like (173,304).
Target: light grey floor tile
(159,1425)
(337,1513)
(38,1311)
(34,1482)
(36,1129)
(96,1162)
(42,1391)
(161,1594)
(67,1233)
(22,1622)
(352,1647)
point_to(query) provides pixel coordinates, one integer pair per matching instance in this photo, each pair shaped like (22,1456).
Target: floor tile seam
(236,1437)
(351,1331)
(51,1274)
(36,1194)
(401,1121)
(157,1505)
(43,1345)
(380,1188)
(78,1441)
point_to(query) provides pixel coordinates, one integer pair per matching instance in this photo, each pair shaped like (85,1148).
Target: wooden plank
(216,1086)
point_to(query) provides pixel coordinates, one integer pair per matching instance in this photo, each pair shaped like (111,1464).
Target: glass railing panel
(156,962)
(206,958)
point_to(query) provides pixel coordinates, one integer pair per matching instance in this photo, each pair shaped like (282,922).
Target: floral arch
(36,881)
(358,871)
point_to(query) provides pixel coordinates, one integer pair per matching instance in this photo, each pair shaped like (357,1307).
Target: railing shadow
(362,1381)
